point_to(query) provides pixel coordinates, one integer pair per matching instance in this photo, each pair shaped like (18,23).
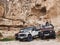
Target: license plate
(46,34)
(21,37)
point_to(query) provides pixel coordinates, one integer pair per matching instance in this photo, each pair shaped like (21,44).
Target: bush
(58,33)
(1,35)
(6,39)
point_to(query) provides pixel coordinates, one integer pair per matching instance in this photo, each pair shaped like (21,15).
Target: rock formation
(20,13)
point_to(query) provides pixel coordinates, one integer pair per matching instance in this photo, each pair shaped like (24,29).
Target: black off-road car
(47,31)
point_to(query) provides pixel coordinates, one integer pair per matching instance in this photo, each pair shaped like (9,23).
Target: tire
(53,35)
(20,40)
(30,38)
(41,36)
(16,38)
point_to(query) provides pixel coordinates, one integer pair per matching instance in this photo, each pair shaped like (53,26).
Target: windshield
(26,29)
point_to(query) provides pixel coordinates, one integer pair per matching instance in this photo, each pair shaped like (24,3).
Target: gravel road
(34,42)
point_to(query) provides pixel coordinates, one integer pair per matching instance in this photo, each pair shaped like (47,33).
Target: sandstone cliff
(20,13)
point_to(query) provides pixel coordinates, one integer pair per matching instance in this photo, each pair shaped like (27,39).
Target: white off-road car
(27,34)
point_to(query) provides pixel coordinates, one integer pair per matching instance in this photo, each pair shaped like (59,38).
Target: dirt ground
(34,42)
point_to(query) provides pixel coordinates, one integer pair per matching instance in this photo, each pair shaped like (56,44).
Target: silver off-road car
(27,34)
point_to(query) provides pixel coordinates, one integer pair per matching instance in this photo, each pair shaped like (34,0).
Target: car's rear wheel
(53,34)
(30,38)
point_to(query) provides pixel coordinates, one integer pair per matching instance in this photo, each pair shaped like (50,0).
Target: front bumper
(47,34)
(22,36)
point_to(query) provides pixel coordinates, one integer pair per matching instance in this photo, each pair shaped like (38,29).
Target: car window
(26,29)
(36,30)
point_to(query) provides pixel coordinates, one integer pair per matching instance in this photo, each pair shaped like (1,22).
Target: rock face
(20,13)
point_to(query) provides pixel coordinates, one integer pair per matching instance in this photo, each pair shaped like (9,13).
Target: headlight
(50,31)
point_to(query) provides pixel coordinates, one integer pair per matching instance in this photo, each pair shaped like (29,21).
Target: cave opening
(38,5)
(43,10)
(44,0)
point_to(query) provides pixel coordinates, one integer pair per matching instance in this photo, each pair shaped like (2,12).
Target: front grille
(22,35)
(46,32)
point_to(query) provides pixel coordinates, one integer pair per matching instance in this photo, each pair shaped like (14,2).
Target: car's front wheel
(41,36)
(30,38)
(16,38)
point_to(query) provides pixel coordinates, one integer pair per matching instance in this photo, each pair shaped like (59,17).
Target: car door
(34,32)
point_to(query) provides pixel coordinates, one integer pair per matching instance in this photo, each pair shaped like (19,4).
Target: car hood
(24,33)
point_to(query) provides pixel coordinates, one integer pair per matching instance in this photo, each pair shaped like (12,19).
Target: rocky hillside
(21,13)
